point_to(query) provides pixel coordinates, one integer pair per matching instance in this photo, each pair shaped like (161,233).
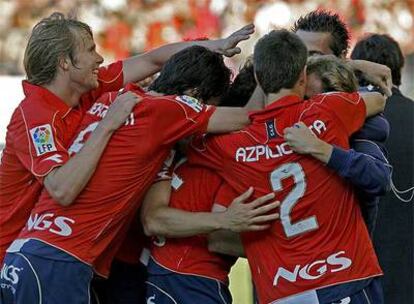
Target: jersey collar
(31,90)
(269,111)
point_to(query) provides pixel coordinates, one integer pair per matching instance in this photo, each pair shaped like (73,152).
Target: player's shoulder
(110,73)
(34,110)
(170,104)
(325,98)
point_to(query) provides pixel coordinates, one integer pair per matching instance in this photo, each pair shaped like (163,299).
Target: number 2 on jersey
(292,170)
(80,140)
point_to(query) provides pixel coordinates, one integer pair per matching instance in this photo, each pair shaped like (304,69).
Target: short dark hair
(242,87)
(326,22)
(279,58)
(194,68)
(382,49)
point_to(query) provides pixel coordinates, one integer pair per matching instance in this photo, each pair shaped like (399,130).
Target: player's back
(194,189)
(131,160)
(320,239)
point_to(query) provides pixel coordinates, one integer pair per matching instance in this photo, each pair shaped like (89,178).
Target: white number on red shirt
(292,170)
(80,139)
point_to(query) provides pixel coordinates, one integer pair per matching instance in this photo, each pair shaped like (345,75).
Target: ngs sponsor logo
(312,271)
(59,225)
(10,273)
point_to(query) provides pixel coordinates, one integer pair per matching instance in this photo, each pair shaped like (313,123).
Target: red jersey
(194,189)
(93,228)
(37,138)
(321,239)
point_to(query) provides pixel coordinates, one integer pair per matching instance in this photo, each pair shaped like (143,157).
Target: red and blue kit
(37,139)
(321,239)
(194,189)
(94,226)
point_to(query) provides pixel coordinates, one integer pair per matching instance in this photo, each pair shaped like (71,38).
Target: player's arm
(227,119)
(225,241)
(161,220)
(374,103)
(139,67)
(64,183)
(257,100)
(376,74)
(366,167)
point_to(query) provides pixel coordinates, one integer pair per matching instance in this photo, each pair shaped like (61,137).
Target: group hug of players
(291,182)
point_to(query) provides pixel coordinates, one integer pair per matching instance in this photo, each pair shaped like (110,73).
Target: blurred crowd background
(127,27)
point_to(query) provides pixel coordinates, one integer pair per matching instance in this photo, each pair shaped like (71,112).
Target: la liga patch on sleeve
(191,102)
(42,138)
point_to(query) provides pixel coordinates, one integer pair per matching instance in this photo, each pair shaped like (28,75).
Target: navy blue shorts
(371,294)
(167,287)
(358,292)
(28,278)
(125,285)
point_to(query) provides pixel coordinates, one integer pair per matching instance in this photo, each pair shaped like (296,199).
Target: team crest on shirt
(191,102)
(42,138)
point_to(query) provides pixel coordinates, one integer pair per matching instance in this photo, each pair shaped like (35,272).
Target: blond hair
(52,39)
(335,74)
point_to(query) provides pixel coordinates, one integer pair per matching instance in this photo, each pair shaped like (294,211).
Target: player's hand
(376,74)
(120,110)
(252,216)
(228,46)
(300,138)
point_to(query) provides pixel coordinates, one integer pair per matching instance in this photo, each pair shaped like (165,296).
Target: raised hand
(228,46)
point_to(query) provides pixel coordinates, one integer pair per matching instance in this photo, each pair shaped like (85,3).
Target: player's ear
(63,63)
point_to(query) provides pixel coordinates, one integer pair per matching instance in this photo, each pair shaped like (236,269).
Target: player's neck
(68,94)
(274,97)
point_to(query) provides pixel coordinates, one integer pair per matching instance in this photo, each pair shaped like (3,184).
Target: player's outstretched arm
(66,182)
(374,102)
(161,220)
(139,67)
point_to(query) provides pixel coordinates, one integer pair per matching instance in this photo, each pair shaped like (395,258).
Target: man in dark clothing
(394,231)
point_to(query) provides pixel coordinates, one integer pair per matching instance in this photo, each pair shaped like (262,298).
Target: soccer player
(178,213)
(365,165)
(64,79)
(320,251)
(60,243)
(324,33)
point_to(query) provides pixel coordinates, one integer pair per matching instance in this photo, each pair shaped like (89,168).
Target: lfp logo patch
(191,102)
(42,138)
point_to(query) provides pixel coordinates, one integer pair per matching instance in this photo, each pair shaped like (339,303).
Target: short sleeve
(225,196)
(110,78)
(39,146)
(348,109)
(177,117)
